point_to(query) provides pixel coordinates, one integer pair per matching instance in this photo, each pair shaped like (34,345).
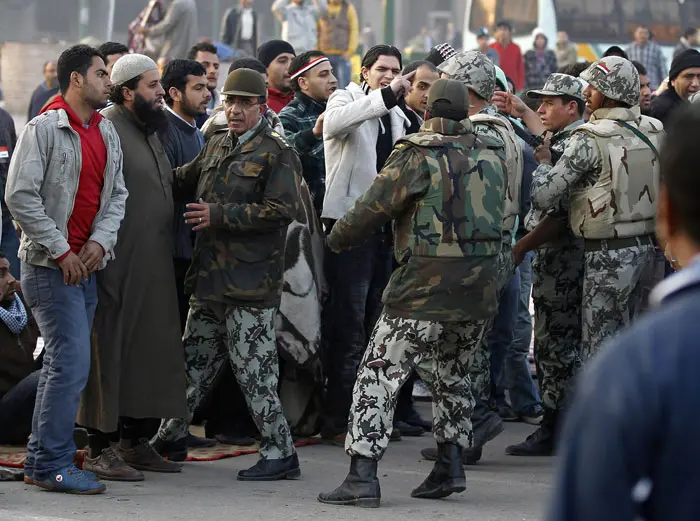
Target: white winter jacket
(350,132)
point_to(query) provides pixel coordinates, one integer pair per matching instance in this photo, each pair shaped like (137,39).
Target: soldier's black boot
(541,442)
(447,476)
(360,488)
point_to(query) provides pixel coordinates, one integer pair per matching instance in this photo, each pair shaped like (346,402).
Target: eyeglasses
(243,103)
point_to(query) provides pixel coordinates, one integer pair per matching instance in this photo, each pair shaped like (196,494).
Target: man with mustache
(136,372)
(246,180)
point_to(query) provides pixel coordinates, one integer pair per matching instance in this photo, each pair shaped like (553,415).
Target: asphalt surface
(500,488)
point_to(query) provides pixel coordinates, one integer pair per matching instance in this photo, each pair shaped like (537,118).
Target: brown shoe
(144,457)
(110,466)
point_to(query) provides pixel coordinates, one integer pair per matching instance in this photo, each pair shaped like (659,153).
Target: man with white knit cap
(138,362)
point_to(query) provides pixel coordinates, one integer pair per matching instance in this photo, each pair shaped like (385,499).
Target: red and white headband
(309,66)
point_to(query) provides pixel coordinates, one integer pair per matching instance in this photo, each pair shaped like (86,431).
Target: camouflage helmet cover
(473,69)
(560,85)
(616,78)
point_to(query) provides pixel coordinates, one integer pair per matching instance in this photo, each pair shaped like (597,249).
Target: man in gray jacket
(299,20)
(66,190)
(178,29)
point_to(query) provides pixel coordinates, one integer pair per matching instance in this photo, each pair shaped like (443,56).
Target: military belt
(617,244)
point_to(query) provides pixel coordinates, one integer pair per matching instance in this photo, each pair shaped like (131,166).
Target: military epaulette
(281,140)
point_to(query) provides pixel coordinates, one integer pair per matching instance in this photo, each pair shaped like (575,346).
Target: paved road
(501,488)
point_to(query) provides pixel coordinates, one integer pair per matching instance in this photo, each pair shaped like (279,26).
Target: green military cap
(245,82)
(452,95)
(560,85)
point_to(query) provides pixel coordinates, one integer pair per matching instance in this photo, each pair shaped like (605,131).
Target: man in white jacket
(299,19)
(361,125)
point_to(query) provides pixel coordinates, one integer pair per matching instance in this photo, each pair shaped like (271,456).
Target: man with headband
(314,82)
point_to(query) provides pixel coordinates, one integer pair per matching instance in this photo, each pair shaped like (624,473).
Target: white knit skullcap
(131,65)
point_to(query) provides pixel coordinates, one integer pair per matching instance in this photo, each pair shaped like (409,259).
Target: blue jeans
(342,69)
(501,337)
(17,409)
(10,245)
(64,315)
(356,280)
(518,378)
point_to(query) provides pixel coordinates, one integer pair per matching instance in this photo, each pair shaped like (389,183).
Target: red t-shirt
(94,161)
(511,61)
(277,101)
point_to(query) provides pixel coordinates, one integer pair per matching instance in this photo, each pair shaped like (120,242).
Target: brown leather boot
(111,467)
(143,456)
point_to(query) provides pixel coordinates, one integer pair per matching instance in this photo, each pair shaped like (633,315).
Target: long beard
(154,118)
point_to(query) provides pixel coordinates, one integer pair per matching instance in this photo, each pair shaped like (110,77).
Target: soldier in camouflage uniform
(609,171)
(249,177)
(478,73)
(444,187)
(557,270)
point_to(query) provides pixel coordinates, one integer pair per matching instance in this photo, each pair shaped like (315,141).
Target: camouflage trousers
(246,337)
(557,285)
(441,353)
(480,372)
(613,292)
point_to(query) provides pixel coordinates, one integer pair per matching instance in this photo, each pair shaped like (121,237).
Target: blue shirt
(630,447)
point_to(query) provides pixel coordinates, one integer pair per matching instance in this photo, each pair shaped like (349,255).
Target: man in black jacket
(239,28)
(684,81)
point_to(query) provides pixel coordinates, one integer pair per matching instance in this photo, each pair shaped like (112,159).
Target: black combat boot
(447,476)
(541,442)
(360,488)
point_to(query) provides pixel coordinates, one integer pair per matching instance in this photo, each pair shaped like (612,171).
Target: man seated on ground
(19,373)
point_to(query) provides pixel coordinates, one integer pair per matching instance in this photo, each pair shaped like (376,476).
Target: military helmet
(451,97)
(560,85)
(473,69)
(616,78)
(245,82)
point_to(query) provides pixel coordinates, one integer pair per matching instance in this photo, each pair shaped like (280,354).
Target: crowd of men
(183,247)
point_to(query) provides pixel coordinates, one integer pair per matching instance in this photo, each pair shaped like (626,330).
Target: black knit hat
(440,53)
(685,60)
(268,51)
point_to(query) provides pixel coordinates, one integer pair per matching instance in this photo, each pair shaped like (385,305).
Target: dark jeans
(64,315)
(501,337)
(10,245)
(17,409)
(356,280)
(405,410)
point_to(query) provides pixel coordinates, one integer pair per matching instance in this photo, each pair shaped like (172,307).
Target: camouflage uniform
(478,73)
(439,301)
(612,210)
(557,277)
(252,187)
